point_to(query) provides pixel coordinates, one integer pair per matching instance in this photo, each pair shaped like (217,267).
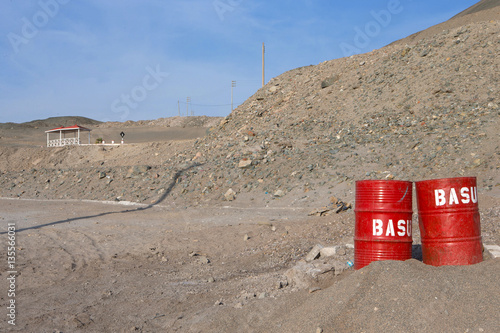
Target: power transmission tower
(188,99)
(263,51)
(233,84)
(179,107)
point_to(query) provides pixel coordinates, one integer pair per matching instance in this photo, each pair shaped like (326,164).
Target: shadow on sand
(168,190)
(416,252)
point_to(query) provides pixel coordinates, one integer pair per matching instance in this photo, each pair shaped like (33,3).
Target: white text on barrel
(403,228)
(466,196)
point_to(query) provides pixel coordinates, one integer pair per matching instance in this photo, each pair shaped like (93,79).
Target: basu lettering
(465,195)
(403,228)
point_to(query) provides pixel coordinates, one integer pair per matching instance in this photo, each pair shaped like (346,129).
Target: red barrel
(383,221)
(449,224)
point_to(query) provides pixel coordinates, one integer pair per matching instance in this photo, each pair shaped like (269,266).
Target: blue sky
(135,59)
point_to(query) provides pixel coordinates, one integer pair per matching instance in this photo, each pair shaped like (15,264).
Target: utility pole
(233,84)
(263,51)
(179,107)
(188,99)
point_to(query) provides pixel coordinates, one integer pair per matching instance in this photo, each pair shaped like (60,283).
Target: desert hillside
(407,111)
(483,11)
(51,122)
(484,5)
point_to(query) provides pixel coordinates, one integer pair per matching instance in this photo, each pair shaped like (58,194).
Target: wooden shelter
(67,136)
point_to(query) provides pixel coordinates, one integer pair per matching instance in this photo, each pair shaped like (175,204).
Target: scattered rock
(137,170)
(329,81)
(319,212)
(263,295)
(197,156)
(82,320)
(340,266)
(230,195)
(279,194)
(273,89)
(329,251)
(243,164)
(282,283)
(300,275)
(335,205)
(314,289)
(314,253)
(303,275)
(203,260)
(266,223)
(224,121)
(340,250)
(492,250)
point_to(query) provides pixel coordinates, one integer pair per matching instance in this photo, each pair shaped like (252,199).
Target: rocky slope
(411,111)
(484,5)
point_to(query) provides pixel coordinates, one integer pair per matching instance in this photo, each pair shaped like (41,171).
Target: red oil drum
(383,221)
(449,224)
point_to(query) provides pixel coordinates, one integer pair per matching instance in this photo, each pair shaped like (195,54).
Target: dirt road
(96,267)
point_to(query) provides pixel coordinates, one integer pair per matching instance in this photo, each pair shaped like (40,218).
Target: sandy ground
(96,267)
(222,266)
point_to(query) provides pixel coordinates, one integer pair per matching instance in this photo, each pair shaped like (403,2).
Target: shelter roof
(69,128)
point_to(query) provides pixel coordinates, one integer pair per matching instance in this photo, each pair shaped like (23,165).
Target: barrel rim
(383,181)
(443,179)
